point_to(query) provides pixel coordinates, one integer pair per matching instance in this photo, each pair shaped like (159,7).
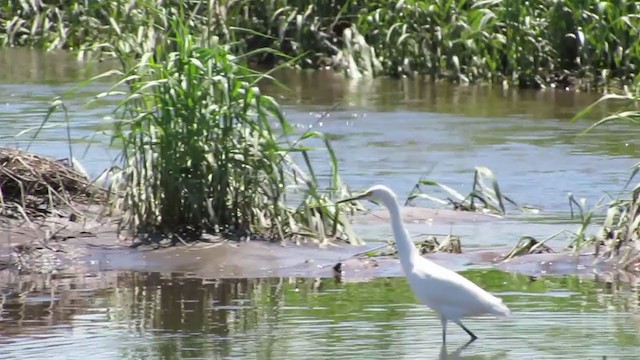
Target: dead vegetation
(34,186)
(528,245)
(430,244)
(44,202)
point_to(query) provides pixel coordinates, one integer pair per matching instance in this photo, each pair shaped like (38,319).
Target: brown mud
(59,245)
(94,247)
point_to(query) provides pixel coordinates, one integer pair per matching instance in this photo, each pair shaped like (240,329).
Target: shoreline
(97,248)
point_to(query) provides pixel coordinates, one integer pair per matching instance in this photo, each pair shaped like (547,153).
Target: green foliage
(525,43)
(614,237)
(205,151)
(618,233)
(485,195)
(293,27)
(532,44)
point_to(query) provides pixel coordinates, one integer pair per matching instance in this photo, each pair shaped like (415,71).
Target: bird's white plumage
(448,293)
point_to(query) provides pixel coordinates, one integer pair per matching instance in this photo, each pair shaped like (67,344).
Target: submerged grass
(540,43)
(425,245)
(485,195)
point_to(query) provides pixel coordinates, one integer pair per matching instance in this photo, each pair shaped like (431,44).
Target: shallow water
(396,132)
(384,131)
(172,316)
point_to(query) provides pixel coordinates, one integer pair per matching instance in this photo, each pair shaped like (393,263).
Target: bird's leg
(473,336)
(443,321)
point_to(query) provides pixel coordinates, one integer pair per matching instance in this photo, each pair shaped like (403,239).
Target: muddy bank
(53,221)
(68,234)
(54,244)
(58,246)
(102,251)
(260,259)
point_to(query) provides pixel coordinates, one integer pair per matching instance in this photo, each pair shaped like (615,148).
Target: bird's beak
(353,198)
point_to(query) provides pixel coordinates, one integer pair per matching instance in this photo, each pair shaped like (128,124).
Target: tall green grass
(526,44)
(533,44)
(204,151)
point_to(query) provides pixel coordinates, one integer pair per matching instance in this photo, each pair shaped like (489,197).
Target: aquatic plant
(485,195)
(617,234)
(543,43)
(429,244)
(204,151)
(293,27)
(528,245)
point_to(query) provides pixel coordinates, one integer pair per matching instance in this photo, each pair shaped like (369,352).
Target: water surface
(175,316)
(384,131)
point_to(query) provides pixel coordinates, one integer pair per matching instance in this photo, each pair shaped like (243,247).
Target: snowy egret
(448,293)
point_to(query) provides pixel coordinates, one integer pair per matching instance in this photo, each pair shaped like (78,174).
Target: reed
(205,152)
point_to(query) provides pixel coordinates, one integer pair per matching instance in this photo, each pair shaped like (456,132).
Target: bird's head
(376,194)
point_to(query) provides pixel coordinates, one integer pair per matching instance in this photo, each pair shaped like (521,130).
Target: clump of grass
(617,237)
(617,234)
(430,244)
(204,151)
(528,245)
(620,232)
(485,195)
(614,239)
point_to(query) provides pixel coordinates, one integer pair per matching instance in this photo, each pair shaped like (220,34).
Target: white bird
(448,293)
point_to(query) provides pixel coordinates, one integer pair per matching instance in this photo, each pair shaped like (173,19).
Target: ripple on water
(148,316)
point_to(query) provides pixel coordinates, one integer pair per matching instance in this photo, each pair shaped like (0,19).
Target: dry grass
(33,186)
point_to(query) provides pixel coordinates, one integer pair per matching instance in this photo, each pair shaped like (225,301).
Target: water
(396,132)
(172,316)
(384,131)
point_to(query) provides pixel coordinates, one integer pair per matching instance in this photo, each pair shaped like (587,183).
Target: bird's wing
(441,287)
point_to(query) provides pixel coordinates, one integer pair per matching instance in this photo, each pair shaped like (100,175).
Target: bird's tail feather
(501,310)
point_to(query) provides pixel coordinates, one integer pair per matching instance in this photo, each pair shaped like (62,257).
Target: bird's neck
(406,249)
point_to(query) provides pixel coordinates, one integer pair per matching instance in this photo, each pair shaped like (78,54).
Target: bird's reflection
(444,355)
